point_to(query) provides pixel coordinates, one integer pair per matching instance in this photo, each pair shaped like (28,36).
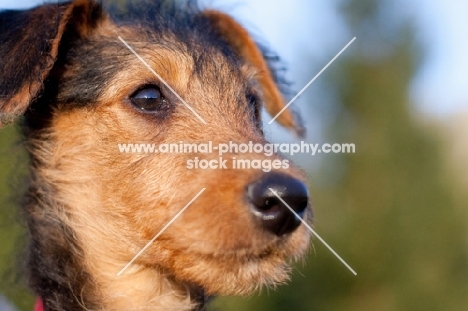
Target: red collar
(38,306)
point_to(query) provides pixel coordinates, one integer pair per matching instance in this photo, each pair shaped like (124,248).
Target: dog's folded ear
(29,47)
(240,40)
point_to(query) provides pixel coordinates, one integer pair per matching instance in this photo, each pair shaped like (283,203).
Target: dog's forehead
(109,63)
(171,24)
(183,28)
(204,54)
(146,51)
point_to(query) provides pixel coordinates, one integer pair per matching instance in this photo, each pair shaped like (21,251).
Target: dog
(76,75)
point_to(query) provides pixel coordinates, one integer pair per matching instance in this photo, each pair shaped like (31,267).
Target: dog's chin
(238,274)
(235,277)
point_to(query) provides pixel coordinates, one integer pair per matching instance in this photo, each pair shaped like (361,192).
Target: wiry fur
(90,208)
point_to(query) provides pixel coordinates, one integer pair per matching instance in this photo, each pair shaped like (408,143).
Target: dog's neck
(144,288)
(74,259)
(91,282)
(100,288)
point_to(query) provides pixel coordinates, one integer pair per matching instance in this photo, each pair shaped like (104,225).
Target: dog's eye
(252,100)
(254,104)
(148,99)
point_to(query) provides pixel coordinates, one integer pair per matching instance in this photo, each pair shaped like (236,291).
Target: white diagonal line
(160,232)
(312,230)
(311,81)
(162,80)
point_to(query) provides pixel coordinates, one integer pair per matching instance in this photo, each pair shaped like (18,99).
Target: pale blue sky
(440,87)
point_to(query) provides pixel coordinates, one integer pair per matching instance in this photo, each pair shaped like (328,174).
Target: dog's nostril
(266,204)
(274,215)
(271,203)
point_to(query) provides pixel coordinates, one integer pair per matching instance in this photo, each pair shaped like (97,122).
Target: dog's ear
(29,46)
(238,37)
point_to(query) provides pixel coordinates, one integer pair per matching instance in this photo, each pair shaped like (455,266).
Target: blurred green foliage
(12,233)
(389,215)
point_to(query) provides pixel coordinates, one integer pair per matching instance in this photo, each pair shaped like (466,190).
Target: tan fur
(117,202)
(117,216)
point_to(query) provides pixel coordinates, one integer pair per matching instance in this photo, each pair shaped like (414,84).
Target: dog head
(87,83)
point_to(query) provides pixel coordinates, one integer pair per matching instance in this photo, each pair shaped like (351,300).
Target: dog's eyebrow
(163,81)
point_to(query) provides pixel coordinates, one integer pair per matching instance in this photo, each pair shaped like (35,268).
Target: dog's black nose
(274,215)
